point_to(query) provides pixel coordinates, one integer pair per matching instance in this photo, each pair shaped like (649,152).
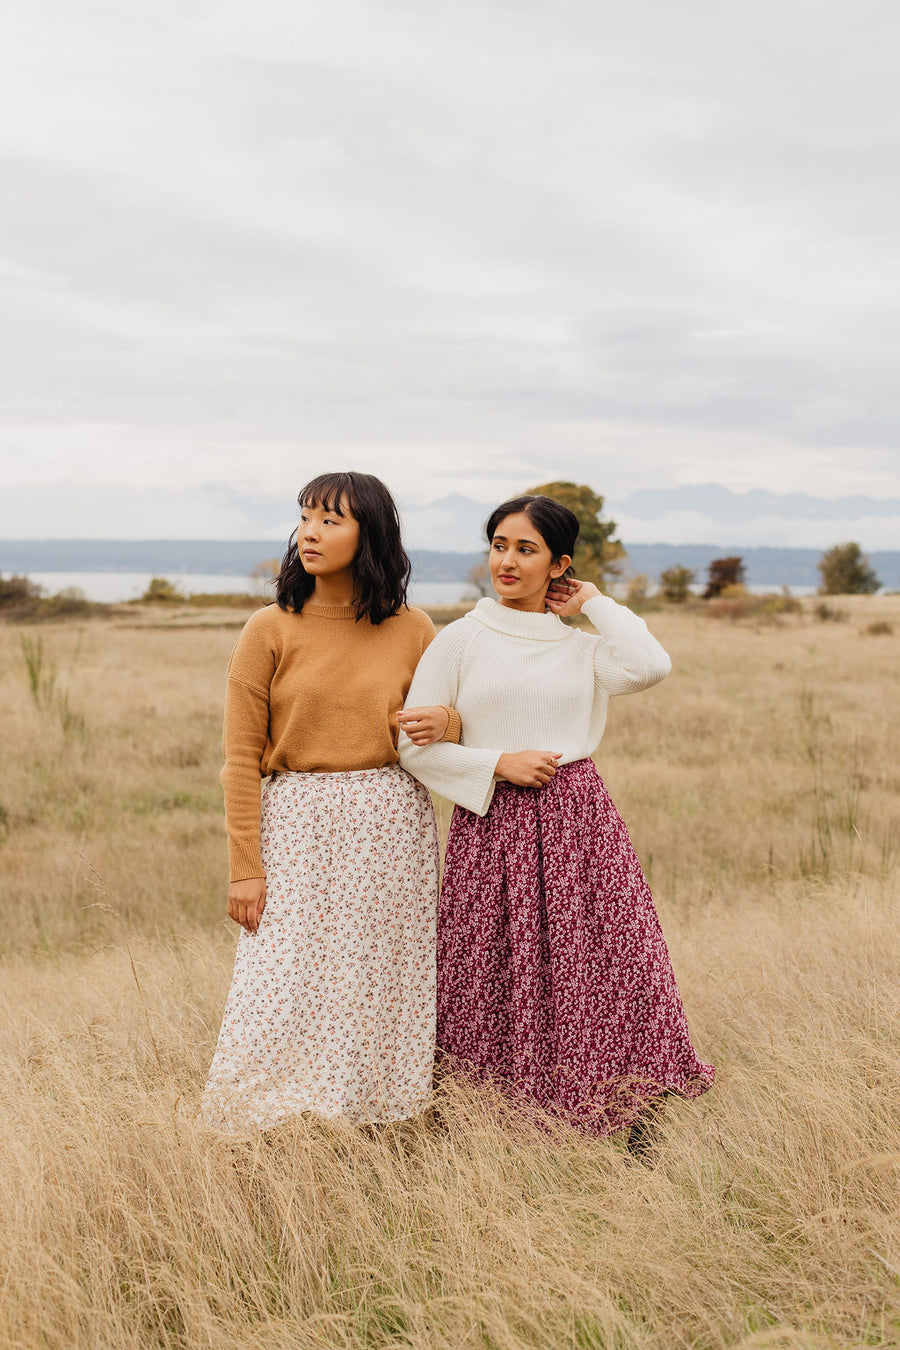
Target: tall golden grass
(760,783)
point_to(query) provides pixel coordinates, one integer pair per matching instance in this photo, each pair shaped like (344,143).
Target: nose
(310,530)
(509,561)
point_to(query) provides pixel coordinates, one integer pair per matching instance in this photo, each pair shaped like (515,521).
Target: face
(327,542)
(521,564)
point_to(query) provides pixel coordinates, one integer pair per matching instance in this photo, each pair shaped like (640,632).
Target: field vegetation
(760,783)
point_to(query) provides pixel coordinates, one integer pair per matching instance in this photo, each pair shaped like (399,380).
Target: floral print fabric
(331,1007)
(554,978)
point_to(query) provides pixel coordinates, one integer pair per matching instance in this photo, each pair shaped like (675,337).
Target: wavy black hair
(380,569)
(555,523)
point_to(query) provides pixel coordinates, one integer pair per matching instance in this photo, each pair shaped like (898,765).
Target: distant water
(114,587)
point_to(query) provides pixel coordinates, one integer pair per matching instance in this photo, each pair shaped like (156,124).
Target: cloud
(468,249)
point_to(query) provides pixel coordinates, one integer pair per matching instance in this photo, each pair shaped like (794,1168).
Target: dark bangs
(380,569)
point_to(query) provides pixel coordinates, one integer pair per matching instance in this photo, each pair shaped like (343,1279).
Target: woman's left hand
(424,726)
(567,595)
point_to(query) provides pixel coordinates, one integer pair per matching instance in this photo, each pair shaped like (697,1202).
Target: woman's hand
(566,595)
(527,768)
(424,726)
(246,902)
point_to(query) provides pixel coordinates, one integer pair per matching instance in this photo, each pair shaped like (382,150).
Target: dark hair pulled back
(380,569)
(555,523)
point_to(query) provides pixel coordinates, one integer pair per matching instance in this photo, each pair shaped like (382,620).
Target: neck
(529,604)
(337,589)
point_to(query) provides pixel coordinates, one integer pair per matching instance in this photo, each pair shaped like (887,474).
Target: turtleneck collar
(545,627)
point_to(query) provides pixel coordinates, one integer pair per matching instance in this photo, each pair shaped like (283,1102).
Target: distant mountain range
(727,507)
(765,566)
(699,513)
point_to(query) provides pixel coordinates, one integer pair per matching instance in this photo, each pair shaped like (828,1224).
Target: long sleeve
(628,657)
(244,744)
(463,773)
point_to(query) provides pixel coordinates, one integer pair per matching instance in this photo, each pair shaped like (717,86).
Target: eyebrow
(502,538)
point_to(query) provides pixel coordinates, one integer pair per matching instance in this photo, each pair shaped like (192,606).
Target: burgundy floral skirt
(554,979)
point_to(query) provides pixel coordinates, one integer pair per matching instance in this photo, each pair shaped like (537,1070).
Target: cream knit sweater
(525,682)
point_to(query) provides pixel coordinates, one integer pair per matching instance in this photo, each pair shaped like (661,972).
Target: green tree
(845,570)
(723,572)
(598,551)
(675,583)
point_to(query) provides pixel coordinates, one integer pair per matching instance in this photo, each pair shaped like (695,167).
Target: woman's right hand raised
(527,768)
(246,902)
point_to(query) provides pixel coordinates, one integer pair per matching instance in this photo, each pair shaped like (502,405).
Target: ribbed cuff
(244,861)
(454,726)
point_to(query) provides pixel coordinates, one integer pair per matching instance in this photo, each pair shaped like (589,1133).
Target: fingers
(411,716)
(545,769)
(260,906)
(422,725)
(254,913)
(247,912)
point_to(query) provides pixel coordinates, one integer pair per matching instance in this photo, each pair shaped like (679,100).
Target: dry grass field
(760,783)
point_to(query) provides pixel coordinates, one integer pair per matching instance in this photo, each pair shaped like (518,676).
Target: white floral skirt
(332,1004)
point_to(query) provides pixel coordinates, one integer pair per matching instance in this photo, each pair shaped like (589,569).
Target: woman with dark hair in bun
(554,979)
(334,870)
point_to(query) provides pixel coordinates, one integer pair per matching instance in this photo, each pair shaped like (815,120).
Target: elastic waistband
(343,773)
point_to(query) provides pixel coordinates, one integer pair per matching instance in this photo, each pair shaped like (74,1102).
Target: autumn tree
(845,570)
(723,572)
(598,550)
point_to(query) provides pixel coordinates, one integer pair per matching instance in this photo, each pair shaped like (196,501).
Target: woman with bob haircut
(554,979)
(334,873)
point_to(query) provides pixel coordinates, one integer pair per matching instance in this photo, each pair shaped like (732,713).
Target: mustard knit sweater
(313,692)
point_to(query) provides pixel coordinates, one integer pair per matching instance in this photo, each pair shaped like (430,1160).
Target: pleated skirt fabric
(331,1008)
(554,978)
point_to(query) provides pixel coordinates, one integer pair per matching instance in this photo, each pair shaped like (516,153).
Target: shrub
(736,602)
(479,579)
(675,583)
(637,589)
(161,591)
(17,592)
(880,628)
(723,574)
(71,600)
(826,613)
(845,570)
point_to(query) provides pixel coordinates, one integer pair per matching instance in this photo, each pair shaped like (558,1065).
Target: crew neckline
(546,627)
(329,611)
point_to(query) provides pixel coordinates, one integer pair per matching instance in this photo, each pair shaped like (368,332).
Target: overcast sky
(467,246)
